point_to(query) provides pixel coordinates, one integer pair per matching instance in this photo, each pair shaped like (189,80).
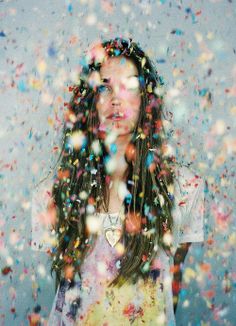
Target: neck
(121,144)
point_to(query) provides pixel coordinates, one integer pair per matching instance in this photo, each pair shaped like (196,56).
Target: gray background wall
(193,46)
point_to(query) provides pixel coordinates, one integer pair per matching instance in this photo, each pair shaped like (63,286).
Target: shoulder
(187,182)
(43,188)
(189,204)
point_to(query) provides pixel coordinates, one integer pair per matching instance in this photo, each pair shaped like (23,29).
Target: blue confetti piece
(194,21)
(203,92)
(117,52)
(171,197)
(183,293)
(52,51)
(70,8)
(149,159)
(177,32)
(128,198)
(142,81)
(155,136)
(85,142)
(113,148)
(66,238)
(2,34)
(21,86)
(83,62)
(146,209)
(161,60)
(30,134)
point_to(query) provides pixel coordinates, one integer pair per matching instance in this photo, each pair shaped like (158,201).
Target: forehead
(114,66)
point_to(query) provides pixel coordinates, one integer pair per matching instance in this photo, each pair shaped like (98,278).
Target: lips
(117,116)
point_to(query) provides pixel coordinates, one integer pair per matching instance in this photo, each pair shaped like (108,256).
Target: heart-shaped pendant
(113,236)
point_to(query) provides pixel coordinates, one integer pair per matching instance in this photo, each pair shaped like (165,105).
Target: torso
(131,304)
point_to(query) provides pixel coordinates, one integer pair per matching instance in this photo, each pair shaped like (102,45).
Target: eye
(103,89)
(132,84)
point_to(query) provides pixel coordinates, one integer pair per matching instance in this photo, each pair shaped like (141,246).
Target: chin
(120,129)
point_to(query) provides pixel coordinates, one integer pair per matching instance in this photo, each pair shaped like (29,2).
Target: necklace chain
(112,222)
(113,232)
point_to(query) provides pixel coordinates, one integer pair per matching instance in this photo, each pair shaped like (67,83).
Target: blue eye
(103,89)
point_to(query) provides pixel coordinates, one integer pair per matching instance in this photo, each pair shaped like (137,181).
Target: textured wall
(193,46)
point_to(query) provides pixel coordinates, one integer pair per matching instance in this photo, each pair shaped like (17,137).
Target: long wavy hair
(82,180)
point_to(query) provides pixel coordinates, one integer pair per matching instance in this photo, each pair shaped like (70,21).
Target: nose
(116,96)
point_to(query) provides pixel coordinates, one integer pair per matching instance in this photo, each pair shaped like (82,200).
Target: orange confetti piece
(205,267)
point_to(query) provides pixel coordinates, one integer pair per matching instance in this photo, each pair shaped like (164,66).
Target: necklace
(113,233)
(112,225)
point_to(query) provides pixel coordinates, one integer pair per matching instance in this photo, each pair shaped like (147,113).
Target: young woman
(125,211)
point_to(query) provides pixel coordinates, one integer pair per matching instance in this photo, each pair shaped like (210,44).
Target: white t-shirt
(89,301)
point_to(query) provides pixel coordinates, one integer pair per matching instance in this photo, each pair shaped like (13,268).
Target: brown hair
(82,179)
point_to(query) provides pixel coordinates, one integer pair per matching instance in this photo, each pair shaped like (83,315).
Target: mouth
(117,116)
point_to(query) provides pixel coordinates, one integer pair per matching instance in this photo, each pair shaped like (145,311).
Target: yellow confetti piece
(76,162)
(218,128)
(125,9)
(198,37)
(186,303)
(42,66)
(210,179)
(136,177)
(176,72)
(83,195)
(203,323)
(50,121)
(77,139)
(189,274)
(149,88)
(72,117)
(220,160)
(143,62)
(210,35)
(62,229)
(202,166)
(170,188)
(9,261)
(142,136)
(35,83)
(26,205)
(179,84)
(120,248)
(232,239)
(77,242)
(161,199)
(91,19)
(168,239)
(224,182)
(205,57)
(233,110)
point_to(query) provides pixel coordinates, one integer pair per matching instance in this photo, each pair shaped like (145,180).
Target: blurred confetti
(191,44)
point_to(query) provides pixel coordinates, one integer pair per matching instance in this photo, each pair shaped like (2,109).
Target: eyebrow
(107,80)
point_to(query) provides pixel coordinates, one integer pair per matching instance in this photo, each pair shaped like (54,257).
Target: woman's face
(118,98)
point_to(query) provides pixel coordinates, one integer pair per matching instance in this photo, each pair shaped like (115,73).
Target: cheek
(134,105)
(101,107)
